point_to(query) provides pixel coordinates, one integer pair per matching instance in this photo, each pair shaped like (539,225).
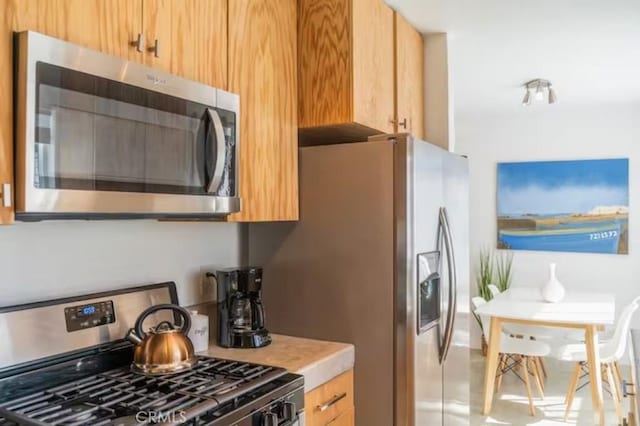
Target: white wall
(554,132)
(60,258)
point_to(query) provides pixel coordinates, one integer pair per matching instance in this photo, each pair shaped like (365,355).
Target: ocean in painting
(572,206)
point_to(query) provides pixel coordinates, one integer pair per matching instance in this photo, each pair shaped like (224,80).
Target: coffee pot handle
(258,315)
(185,317)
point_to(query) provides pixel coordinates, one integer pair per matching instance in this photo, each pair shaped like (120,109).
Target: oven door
(97,135)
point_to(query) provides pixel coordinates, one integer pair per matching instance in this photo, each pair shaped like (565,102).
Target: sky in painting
(556,187)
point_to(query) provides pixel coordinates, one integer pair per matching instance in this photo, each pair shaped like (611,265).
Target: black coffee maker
(240,309)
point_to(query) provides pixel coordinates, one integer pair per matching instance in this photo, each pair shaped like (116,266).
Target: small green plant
(485,274)
(504,272)
(484,278)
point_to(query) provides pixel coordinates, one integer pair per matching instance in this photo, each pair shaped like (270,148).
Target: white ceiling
(588,49)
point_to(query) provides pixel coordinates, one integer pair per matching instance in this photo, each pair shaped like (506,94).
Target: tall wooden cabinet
(262,69)
(105,25)
(353,54)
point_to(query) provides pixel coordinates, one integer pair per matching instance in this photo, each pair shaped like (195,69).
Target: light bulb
(539,94)
(553,98)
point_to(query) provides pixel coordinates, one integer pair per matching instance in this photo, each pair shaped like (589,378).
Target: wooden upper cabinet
(409,78)
(105,25)
(373,50)
(262,70)
(191,36)
(345,68)
(109,26)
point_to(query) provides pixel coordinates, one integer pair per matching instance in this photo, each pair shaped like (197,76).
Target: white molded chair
(527,352)
(610,353)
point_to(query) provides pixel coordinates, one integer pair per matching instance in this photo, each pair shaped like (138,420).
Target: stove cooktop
(215,392)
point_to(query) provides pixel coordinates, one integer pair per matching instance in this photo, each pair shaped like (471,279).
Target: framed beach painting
(574,206)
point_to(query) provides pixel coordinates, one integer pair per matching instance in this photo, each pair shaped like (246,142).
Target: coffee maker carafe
(240,309)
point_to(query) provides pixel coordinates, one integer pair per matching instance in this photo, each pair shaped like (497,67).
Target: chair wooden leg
(614,391)
(617,374)
(572,389)
(544,369)
(617,379)
(525,374)
(536,376)
(538,361)
(501,366)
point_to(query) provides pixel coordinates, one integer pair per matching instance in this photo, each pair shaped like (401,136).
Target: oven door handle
(220,151)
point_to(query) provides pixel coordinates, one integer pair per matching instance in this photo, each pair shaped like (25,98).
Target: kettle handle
(186,318)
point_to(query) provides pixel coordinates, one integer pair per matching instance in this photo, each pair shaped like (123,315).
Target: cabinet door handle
(402,123)
(332,401)
(139,43)
(155,49)
(6,195)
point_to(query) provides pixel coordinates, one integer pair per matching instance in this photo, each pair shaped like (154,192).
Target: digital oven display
(88,316)
(88,310)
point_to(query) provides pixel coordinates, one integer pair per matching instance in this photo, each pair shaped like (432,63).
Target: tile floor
(510,406)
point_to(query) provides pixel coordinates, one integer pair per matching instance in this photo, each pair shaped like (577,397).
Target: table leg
(595,376)
(493,353)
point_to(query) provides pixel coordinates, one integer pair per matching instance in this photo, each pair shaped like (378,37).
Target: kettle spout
(133,337)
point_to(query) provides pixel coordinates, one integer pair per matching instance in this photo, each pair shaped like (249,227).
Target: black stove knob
(269,419)
(289,411)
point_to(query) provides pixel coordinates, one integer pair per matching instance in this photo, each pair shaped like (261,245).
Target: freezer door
(456,364)
(424,197)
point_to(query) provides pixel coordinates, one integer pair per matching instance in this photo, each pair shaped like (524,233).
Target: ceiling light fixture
(540,87)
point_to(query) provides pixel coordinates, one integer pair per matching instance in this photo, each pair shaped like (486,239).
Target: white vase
(553,291)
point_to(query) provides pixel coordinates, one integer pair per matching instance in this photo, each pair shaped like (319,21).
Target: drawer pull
(332,401)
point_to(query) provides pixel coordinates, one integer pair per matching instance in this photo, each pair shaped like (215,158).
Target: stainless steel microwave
(100,137)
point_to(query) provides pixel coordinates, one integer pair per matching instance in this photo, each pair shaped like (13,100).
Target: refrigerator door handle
(453,283)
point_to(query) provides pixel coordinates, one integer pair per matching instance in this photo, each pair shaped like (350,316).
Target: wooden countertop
(317,360)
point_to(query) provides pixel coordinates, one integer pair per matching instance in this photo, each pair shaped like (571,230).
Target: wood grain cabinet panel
(409,78)
(345,69)
(191,36)
(262,70)
(325,63)
(331,403)
(345,419)
(373,57)
(361,71)
(105,25)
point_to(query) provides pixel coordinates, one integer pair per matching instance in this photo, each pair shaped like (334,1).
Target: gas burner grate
(116,396)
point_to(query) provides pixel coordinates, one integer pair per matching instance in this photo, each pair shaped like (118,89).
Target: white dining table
(578,310)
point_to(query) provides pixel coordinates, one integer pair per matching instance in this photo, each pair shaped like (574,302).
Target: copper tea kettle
(165,348)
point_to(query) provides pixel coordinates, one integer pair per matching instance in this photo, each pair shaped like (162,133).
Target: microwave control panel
(91,315)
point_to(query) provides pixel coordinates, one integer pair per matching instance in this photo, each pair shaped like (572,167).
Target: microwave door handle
(216,179)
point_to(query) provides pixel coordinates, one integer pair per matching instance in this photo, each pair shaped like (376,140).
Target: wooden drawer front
(344,419)
(328,403)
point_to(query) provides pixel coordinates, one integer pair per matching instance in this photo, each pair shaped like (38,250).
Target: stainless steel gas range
(57,372)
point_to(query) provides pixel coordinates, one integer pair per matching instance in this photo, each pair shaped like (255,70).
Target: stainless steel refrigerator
(380,259)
